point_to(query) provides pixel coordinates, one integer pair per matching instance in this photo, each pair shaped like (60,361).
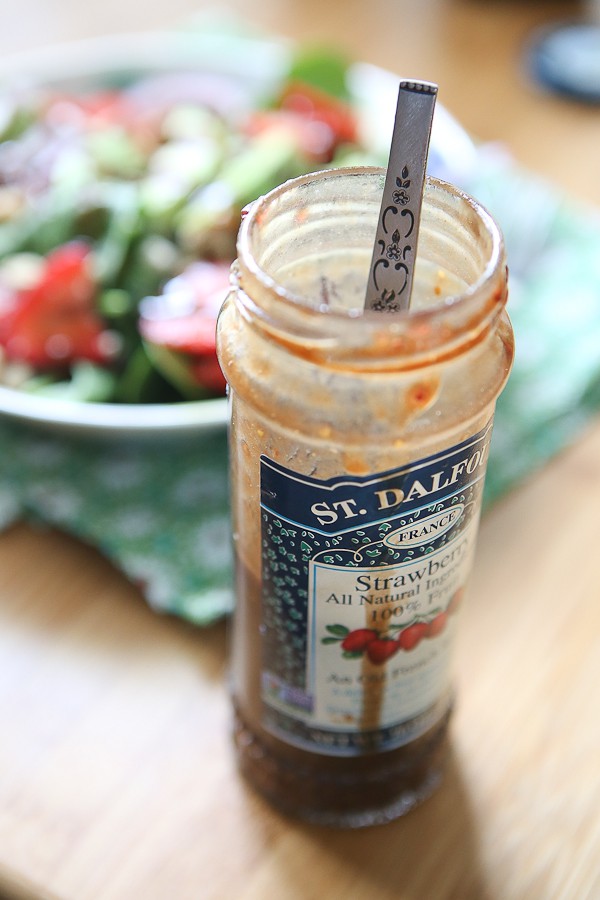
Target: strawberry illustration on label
(413,635)
(359,639)
(380,646)
(437,625)
(381,649)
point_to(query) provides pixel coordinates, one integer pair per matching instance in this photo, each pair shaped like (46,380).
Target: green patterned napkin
(157,509)
(553,249)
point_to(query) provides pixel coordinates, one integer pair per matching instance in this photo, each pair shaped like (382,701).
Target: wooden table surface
(116,774)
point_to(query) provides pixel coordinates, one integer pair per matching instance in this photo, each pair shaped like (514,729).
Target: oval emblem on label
(421,531)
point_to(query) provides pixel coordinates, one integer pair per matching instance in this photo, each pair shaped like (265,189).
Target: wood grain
(116,775)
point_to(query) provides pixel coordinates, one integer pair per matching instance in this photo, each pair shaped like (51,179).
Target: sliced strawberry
(97,109)
(319,123)
(206,370)
(313,139)
(183,319)
(53,323)
(316,105)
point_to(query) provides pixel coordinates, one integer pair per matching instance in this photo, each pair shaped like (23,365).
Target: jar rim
(483,284)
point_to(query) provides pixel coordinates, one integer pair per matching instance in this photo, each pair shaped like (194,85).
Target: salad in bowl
(121,192)
(125,164)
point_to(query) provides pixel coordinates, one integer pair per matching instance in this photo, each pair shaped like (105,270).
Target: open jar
(358,451)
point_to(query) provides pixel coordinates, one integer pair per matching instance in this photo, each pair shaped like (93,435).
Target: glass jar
(358,451)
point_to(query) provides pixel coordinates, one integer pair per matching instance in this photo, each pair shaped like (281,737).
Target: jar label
(362,577)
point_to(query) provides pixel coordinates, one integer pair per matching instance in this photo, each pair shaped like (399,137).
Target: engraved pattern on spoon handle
(391,273)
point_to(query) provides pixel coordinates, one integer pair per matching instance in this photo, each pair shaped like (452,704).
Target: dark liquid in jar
(350,791)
